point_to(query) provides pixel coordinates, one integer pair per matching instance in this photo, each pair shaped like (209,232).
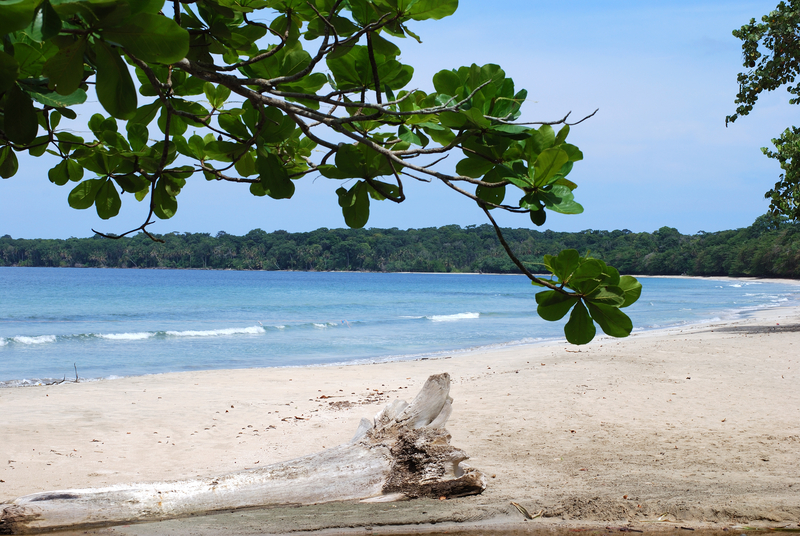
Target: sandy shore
(701,424)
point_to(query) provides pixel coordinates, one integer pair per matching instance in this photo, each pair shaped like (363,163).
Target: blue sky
(663,75)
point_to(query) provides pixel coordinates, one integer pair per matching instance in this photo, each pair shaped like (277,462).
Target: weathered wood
(404,452)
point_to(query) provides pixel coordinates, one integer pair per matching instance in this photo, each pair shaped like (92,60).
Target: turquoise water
(111,322)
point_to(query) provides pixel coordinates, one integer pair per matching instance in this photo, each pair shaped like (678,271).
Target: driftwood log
(404,452)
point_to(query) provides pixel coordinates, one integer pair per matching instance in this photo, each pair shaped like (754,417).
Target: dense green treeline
(767,249)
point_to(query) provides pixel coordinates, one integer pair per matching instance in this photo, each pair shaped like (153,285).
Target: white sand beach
(697,427)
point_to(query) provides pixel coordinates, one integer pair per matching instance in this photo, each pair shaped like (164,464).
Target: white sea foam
(281,327)
(321,326)
(41,339)
(126,336)
(252,330)
(2,341)
(735,286)
(452,318)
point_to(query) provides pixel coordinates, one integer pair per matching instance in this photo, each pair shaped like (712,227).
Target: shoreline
(708,277)
(701,423)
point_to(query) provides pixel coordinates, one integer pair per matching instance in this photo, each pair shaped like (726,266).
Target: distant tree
(231,94)
(771,55)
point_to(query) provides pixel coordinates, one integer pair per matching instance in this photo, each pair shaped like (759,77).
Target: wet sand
(697,427)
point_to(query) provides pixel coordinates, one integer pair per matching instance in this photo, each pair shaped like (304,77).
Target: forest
(768,248)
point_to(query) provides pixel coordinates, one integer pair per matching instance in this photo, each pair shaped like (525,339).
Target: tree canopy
(265,92)
(767,248)
(771,55)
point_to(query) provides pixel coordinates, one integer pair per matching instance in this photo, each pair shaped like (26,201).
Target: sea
(59,323)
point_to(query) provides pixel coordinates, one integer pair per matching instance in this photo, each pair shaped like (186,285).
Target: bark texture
(404,452)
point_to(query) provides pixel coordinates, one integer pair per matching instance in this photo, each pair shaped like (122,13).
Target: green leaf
(146,113)
(65,68)
(177,126)
(474,166)
(497,194)
(20,117)
(541,139)
(494,195)
(164,205)
(8,162)
(553,305)
(567,207)
(563,265)
(216,95)
(107,201)
(333,172)
(351,70)
(150,37)
(566,203)
(149,6)
(409,136)
(275,181)
(385,188)
(562,135)
(566,182)
(631,288)
(589,269)
(39,145)
(46,23)
(67,139)
(65,171)
(51,98)
(58,174)
(277,127)
(538,217)
(138,136)
(102,163)
(432,9)
(574,153)
(383,46)
(9,70)
(133,184)
(607,295)
(547,165)
(197,147)
(355,205)
(16,14)
(475,116)
(115,89)
(174,183)
(233,125)
(580,328)
(613,321)
(447,82)
(83,195)
(246,165)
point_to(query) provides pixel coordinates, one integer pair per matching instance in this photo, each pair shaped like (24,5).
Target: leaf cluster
(593,291)
(771,56)
(263,93)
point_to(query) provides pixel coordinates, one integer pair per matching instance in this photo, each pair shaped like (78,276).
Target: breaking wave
(253,330)
(126,336)
(41,339)
(452,318)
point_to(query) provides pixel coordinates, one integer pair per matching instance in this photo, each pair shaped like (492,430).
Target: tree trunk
(404,452)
